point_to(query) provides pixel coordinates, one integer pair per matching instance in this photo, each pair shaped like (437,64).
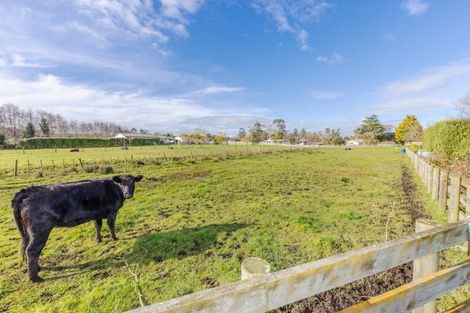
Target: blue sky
(169,65)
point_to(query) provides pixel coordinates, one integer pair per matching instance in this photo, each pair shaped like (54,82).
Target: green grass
(59,157)
(191,223)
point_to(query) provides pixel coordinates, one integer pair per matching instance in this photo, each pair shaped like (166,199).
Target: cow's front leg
(111,219)
(98,223)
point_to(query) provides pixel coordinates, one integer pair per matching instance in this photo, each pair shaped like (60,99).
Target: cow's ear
(138,178)
(117,179)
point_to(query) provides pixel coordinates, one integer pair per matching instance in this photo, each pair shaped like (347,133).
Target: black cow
(38,209)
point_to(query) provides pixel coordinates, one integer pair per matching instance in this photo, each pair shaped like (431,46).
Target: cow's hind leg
(38,238)
(111,220)
(98,223)
(24,244)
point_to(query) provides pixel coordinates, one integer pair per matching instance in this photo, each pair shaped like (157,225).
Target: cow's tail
(16,204)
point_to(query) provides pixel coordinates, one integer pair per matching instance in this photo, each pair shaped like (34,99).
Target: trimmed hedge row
(450,137)
(74,142)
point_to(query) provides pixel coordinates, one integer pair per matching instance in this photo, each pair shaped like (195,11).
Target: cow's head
(127,184)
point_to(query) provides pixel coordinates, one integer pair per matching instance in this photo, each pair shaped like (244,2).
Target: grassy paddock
(191,223)
(33,158)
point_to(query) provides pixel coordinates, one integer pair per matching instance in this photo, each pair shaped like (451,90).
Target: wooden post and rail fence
(261,291)
(451,191)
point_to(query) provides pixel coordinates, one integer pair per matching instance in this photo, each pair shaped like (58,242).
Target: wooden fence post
(16,167)
(429,177)
(467,212)
(425,265)
(443,185)
(423,171)
(454,198)
(435,183)
(253,267)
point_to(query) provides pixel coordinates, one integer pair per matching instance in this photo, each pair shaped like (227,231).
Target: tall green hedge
(450,137)
(75,142)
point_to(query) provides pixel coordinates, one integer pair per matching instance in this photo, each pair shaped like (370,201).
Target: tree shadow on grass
(155,247)
(179,244)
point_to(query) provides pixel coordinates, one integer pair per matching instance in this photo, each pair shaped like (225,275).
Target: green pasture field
(59,157)
(193,220)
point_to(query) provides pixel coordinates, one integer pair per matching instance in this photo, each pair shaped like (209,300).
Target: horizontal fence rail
(270,291)
(416,293)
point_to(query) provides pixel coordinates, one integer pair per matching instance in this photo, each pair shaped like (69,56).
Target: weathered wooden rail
(273,290)
(451,191)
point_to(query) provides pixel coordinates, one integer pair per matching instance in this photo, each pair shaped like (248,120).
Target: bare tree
(13,121)
(463,105)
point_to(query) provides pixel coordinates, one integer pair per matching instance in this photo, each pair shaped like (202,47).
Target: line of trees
(16,123)
(278,132)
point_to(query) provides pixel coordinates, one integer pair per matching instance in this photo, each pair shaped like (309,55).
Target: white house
(353,142)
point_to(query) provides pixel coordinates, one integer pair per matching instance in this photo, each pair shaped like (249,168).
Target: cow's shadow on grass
(155,247)
(179,244)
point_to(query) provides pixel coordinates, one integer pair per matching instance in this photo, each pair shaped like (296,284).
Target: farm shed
(130,136)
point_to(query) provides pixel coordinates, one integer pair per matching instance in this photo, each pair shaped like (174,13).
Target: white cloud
(433,90)
(431,78)
(20,61)
(139,17)
(302,38)
(415,7)
(50,92)
(325,94)
(129,108)
(413,104)
(289,16)
(335,58)
(216,90)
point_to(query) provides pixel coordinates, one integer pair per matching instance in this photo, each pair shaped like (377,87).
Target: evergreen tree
(44,125)
(371,130)
(29,130)
(257,132)
(241,133)
(280,129)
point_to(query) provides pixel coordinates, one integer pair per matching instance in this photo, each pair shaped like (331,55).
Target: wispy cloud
(217,90)
(289,16)
(135,107)
(415,7)
(433,90)
(325,94)
(430,78)
(302,38)
(335,58)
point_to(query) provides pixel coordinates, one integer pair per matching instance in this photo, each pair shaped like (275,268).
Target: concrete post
(425,266)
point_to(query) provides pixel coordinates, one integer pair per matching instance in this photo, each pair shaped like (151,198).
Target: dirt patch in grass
(410,200)
(340,298)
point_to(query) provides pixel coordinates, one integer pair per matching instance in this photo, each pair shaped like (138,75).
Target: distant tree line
(16,123)
(277,132)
